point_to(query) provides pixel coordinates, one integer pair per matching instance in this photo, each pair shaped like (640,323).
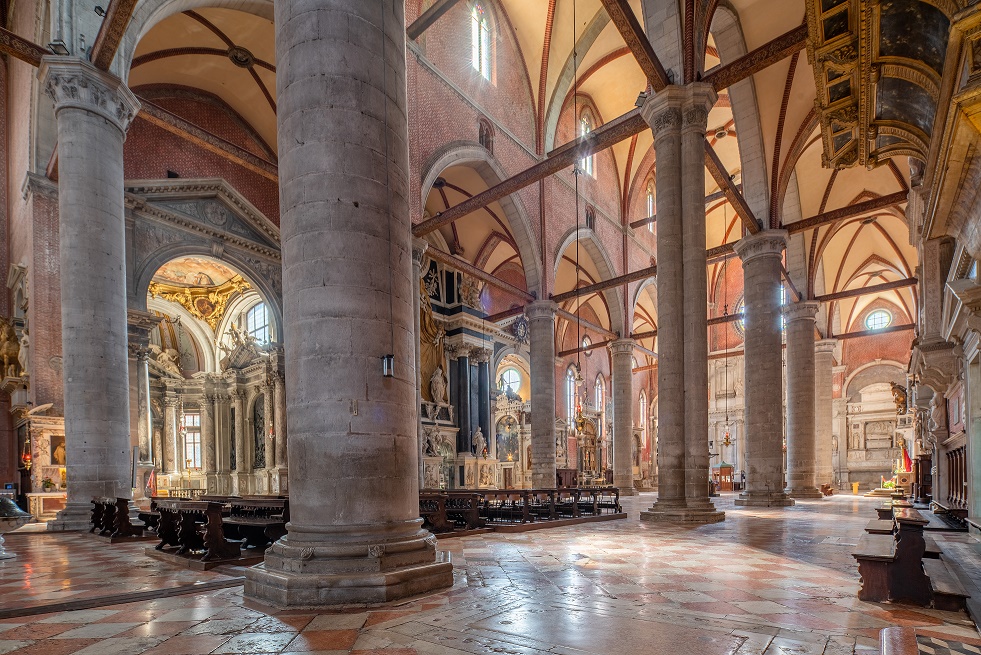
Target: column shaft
(464,419)
(144,425)
(93,110)
(170,455)
(824,411)
(541,323)
(279,423)
(208,435)
(419,248)
(800,400)
(623,394)
(268,432)
(762,267)
(355,535)
(243,463)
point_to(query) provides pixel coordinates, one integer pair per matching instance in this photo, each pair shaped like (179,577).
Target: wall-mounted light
(59,47)
(388,366)
(100,11)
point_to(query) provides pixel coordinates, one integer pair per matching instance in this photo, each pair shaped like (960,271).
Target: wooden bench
(193,527)
(257,521)
(605,499)
(885,510)
(432,509)
(463,510)
(506,506)
(957,515)
(103,515)
(948,593)
(827,490)
(567,502)
(122,525)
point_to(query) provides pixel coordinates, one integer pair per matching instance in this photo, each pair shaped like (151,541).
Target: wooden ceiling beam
(865,291)
(601,138)
(851,211)
(722,77)
(111,33)
(572,318)
(617,281)
(18,48)
(428,17)
(468,268)
(712,197)
(602,344)
(872,333)
(735,198)
(636,39)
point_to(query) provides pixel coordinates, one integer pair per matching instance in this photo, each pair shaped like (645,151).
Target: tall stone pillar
(623,395)
(762,263)
(678,117)
(243,463)
(483,397)
(541,324)
(463,409)
(223,447)
(355,535)
(208,451)
(93,110)
(700,98)
(824,351)
(170,455)
(267,411)
(801,461)
(144,425)
(279,424)
(419,247)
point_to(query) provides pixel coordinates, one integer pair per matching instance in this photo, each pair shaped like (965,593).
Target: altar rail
(446,511)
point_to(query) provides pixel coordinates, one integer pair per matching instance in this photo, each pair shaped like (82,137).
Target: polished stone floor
(766,581)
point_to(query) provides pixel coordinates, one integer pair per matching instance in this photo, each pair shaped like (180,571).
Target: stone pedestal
(800,400)
(355,535)
(824,351)
(678,116)
(623,476)
(93,110)
(762,266)
(541,322)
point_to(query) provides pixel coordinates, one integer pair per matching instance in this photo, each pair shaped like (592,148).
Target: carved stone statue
(24,356)
(437,385)
(9,349)
(470,292)
(478,442)
(899,396)
(432,336)
(167,359)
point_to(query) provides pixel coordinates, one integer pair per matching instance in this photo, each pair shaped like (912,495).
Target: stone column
(464,419)
(144,424)
(678,116)
(208,436)
(355,535)
(279,423)
(623,396)
(823,410)
(800,400)
(221,428)
(170,456)
(243,465)
(541,324)
(662,111)
(267,411)
(419,247)
(700,98)
(483,397)
(762,263)
(93,110)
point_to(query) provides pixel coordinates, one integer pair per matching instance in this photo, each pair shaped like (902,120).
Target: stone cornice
(73,83)
(768,243)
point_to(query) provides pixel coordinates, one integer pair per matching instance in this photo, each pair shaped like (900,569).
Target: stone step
(948,593)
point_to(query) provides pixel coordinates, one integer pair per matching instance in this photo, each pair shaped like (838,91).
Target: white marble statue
(437,386)
(478,441)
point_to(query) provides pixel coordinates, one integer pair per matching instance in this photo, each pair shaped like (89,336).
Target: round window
(878,319)
(510,380)
(586,343)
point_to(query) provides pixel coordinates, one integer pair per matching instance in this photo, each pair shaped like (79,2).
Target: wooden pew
(432,509)
(193,527)
(463,509)
(257,521)
(122,526)
(506,506)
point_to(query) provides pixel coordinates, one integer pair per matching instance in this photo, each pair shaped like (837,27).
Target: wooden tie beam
(428,17)
(712,197)
(850,211)
(601,138)
(572,318)
(864,291)
(642,274)
(18,48)
(872,333)
(721,177)
(602,344)
(722,77)
(640,46)
(111,33)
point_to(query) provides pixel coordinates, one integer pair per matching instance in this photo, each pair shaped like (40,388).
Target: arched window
(192,440)
(643,418)
(585,127)
(878,319)
(651,205)
(570,395)
(600,392)
(511,380)
(586,343)
(480,41)
(257,323)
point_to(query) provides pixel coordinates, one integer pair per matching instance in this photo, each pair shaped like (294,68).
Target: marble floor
(764,582)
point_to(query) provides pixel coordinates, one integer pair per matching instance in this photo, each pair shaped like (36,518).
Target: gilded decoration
(205,303)
(432,354)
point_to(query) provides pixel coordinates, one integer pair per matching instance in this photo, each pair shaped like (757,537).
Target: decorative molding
(768,243)
(76,84)
(541,310)
(801,311)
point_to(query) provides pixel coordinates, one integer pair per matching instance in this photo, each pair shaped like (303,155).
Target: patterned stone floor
(764,582)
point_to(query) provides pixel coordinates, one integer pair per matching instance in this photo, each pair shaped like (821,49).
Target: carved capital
(541,310)
(768,243)
(805,310)
(622,347)
(76,84)
(480,355)
(825,346)
(419,248)
(662,110)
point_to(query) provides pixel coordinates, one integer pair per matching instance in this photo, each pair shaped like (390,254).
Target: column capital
(662,110)
(73,83)
(699,100)
(541,310)
(768,243)
(622,347)
(419,248)
(805,310)
(826,346)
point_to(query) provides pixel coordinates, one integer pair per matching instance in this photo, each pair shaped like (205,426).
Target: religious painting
(204,306)
(57,450)
(507,440)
